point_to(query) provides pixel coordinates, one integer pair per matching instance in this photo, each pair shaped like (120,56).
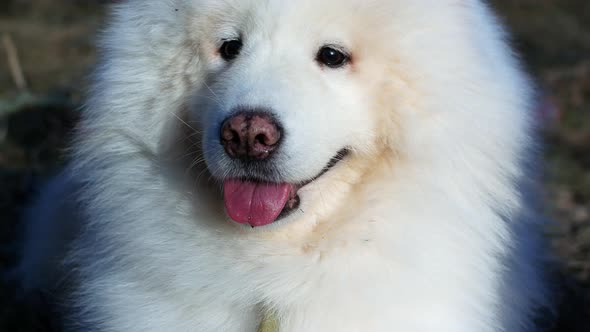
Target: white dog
(344,165)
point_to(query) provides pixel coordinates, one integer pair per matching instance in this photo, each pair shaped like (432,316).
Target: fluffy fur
(425,226)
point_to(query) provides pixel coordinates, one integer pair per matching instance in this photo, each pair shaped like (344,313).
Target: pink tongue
(254,203)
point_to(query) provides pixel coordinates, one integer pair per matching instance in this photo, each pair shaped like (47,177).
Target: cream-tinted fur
(425,226)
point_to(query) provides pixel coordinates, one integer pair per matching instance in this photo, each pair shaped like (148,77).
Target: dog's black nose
(250,135)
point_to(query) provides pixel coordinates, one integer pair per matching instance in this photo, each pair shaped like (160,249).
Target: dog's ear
(147,65)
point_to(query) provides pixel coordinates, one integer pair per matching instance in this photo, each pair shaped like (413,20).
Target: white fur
(425,227)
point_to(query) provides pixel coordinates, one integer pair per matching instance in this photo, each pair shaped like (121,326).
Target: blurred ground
(54,41)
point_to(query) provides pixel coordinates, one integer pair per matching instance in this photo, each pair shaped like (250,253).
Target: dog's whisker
(216,97)
(182,121)
(209,97)
(196,163)
(188,154)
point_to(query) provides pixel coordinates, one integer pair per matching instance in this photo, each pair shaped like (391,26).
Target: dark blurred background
(47,50)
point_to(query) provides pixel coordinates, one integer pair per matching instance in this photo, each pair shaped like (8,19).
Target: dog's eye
(230,49)
(332,57)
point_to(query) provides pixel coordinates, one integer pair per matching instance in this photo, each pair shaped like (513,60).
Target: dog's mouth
(258,203)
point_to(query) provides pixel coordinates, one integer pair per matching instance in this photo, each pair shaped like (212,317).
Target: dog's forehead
(310,13)
(301,21)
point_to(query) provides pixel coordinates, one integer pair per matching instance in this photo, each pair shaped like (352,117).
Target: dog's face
(296,103)
(290,96)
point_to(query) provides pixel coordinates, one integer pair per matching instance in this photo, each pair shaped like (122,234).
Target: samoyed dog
(335,165)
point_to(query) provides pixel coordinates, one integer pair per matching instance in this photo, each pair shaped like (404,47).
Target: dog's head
(294,101)
(290,96)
